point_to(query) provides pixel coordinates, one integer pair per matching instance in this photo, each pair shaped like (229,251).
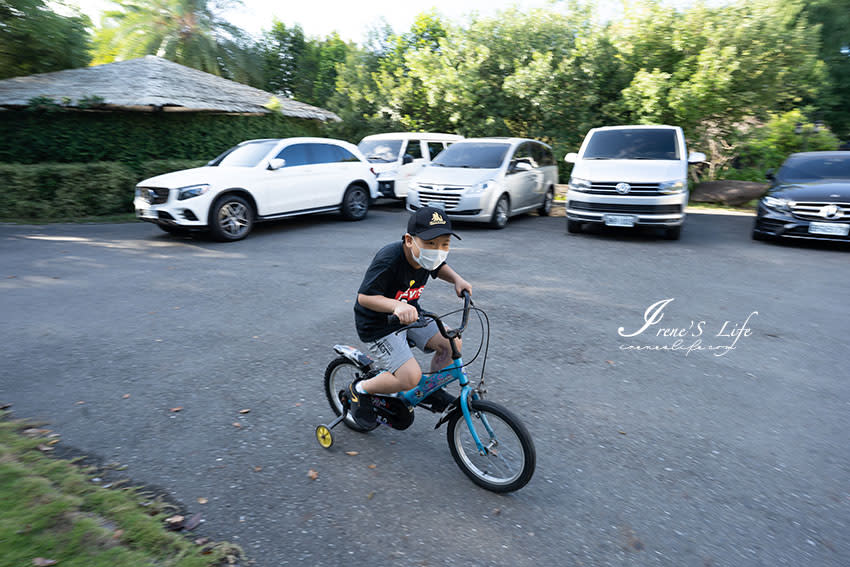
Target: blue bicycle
(488,442)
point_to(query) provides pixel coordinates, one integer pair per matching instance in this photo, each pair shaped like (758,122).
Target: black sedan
(809,198)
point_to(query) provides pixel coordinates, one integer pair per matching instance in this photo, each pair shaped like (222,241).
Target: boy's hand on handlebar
(462,285)
(406,313)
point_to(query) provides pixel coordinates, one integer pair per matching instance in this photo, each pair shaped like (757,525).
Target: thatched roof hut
(152,83)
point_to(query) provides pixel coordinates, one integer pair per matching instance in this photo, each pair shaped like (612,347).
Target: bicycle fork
(484,450)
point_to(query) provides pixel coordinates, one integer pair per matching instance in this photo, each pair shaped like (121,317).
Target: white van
(630,176)
(398,156)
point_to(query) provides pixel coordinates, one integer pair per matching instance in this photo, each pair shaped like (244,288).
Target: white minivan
(398,156)
(630,176)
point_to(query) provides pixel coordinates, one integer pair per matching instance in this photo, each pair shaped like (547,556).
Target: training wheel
(323,435)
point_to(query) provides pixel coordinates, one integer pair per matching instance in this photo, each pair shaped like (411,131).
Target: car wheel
(573,227)
(501,212)
(546,207)
(231,218)
(673,233)
(355,203)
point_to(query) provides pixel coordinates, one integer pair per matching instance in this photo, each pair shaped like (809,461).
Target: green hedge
(48,191)
(64,136)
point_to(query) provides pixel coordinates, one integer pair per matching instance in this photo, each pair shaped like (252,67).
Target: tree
(283,49)
(833,16)
(189,32)
(34,39)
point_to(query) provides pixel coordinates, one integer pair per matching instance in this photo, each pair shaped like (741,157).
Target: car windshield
(804,169)
(247,155)
(640,143)
(475,155)
(380,151)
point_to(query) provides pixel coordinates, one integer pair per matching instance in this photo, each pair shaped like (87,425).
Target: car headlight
(481,187)
(778,203)
(673,186)
(577,184)
(192,191)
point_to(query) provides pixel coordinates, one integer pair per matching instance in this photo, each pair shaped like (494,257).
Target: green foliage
(134,137)
(48,191)
(52,190)
(833,17)
(34,39)
(769,145)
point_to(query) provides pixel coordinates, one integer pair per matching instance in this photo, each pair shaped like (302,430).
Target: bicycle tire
(506,425)
(333,385)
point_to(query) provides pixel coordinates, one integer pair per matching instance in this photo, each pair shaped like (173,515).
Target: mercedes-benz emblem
(623,188)
(831,211)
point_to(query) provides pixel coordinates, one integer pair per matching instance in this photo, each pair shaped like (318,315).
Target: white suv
(260,180)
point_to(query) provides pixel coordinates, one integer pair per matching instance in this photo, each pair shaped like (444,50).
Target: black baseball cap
(428,223)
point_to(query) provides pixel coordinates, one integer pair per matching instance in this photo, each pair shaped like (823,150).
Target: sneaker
(360,408)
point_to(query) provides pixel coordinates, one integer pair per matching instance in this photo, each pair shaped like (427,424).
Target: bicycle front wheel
(510,456)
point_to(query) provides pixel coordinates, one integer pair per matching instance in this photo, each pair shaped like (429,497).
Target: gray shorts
(392,351)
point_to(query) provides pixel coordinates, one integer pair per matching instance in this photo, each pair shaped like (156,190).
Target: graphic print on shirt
(411,294)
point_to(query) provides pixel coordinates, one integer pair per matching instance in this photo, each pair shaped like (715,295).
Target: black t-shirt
(390,275)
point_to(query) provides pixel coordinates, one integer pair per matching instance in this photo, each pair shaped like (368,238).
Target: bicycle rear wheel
(339,374)
(510,460)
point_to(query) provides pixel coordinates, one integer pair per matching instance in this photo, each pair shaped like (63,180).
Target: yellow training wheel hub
(323,434)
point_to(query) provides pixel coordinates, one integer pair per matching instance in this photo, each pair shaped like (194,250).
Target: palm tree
(189,32)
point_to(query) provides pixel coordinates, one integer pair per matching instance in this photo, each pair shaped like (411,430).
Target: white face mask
(430,259)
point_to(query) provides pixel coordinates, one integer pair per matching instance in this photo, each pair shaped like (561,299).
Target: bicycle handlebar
(449,334)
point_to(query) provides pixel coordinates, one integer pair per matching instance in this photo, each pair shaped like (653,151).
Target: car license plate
(149,213)
(833,229)
(619,220)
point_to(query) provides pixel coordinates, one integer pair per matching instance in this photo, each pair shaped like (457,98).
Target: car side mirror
(571,157)
(406,159)
(520,166)
(276,163)
(696,157)
(769,175)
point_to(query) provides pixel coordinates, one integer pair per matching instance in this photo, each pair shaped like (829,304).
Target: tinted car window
(345,155)
(542,154)
(247,155)
(523,153)
(801,169)
(633,144)
(414,149)
(295,155)
(478,155)
(380,151)
(325,153)
(434,149)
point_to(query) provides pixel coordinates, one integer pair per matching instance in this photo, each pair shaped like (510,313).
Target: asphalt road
(648,454)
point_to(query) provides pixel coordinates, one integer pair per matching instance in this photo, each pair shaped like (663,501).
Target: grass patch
(51,509)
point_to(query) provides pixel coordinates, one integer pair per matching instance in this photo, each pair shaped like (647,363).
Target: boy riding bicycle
(392,286)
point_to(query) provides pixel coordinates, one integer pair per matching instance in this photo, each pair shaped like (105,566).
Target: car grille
(609,188)
(154,195)
(449,196)
(624,208)
(812,211)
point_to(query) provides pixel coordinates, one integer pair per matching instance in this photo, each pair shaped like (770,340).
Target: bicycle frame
(433,381)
